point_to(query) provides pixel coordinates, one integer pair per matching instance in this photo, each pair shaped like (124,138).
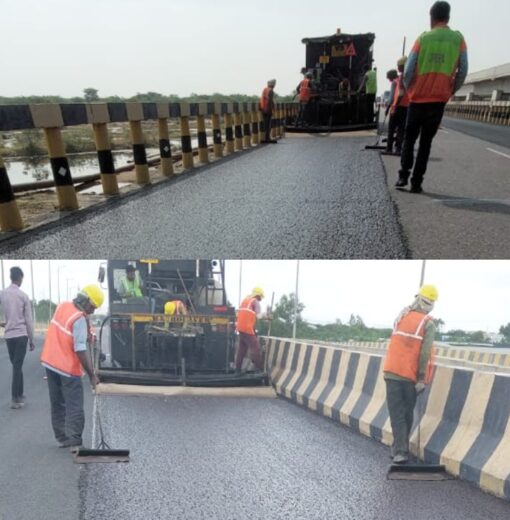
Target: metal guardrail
(242,127)
(495,112)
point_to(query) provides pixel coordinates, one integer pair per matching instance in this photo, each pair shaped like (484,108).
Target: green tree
(42,310)
(478,336)
(90,94)
(439,323)
(505,331)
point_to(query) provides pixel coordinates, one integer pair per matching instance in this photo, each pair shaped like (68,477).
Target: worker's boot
(15,405)
(400,458)
(403,178)
(416,182)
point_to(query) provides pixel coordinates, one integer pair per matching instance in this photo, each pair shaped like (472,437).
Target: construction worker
(436,69)
(175,308)
(391,76)
(131,284)
(399,102)
(304,91)
(65,357)
(369,86)
(19,332)
(266,106)
(408,366)
(247,315)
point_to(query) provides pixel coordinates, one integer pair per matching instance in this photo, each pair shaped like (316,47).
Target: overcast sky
(473,294)
(230,46)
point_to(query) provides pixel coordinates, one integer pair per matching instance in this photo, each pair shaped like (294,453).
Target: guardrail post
(255,125)
(135,117)
(10,218)
(246,126)
(238,132)
(187,151)
(203,152)
(49,118)
(165,148)
(99,117)
(229,133)
(218,145)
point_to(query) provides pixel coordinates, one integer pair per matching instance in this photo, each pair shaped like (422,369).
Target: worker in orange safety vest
(399,102)
(247,315)
(436,68)
(65,357)
(266,106)
(408,366)
(304,91)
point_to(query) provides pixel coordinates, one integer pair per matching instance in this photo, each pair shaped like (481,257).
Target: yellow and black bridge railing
(242,128)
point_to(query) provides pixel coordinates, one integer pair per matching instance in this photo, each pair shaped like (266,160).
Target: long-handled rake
(103,452)
(418,470)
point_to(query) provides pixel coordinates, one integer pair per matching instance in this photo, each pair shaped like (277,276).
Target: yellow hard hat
(258,291)
(95,295)
(402,61)
(170,308)
(429,292)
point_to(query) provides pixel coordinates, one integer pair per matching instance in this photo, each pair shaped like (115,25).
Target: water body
(38,169)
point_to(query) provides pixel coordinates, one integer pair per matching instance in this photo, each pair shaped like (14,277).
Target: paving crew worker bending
(266,106)
(247,315)
(436,68)
(408,366)
(175,308)
(65,357)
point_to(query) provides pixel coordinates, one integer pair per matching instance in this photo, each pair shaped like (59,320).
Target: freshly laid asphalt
(212,458)
(305,197)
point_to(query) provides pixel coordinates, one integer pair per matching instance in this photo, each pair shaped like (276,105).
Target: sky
(473,294)
(123,47)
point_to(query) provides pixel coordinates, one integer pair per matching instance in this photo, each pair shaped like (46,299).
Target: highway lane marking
(499,153)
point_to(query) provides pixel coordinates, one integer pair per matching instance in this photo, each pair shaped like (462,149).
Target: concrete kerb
(466,419)
(66,217)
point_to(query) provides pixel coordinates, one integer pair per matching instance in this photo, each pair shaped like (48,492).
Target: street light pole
(49,297)
(296,302)
(422,278)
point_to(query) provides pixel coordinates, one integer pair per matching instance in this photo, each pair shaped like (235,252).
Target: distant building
(485,82)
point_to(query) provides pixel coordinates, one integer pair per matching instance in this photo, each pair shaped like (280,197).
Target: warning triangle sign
(350,50)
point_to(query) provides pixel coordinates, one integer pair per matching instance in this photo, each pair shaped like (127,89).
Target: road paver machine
(140,344)
(338,64)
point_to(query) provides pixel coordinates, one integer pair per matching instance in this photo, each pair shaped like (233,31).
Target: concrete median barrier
(466,419)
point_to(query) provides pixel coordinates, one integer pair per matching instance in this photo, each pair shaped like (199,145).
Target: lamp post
(296,302)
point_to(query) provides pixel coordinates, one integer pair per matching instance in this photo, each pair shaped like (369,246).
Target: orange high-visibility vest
(305,92)
(246,318)
(264,104)
(58,350)
(403,355)
(399,87)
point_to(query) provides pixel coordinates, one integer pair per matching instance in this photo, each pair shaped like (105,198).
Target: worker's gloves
(419,387)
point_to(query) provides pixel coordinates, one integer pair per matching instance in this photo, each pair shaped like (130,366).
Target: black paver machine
(141,344)
(338,65)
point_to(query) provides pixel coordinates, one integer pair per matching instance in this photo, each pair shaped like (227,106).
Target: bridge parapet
(493,109)
(240,119)
(466,419)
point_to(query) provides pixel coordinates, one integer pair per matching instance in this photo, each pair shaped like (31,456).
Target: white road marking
(499,153)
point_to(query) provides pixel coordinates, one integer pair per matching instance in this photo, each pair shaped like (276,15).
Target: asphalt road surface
(305,197)
(37,479)
(464,211)
(213,458)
